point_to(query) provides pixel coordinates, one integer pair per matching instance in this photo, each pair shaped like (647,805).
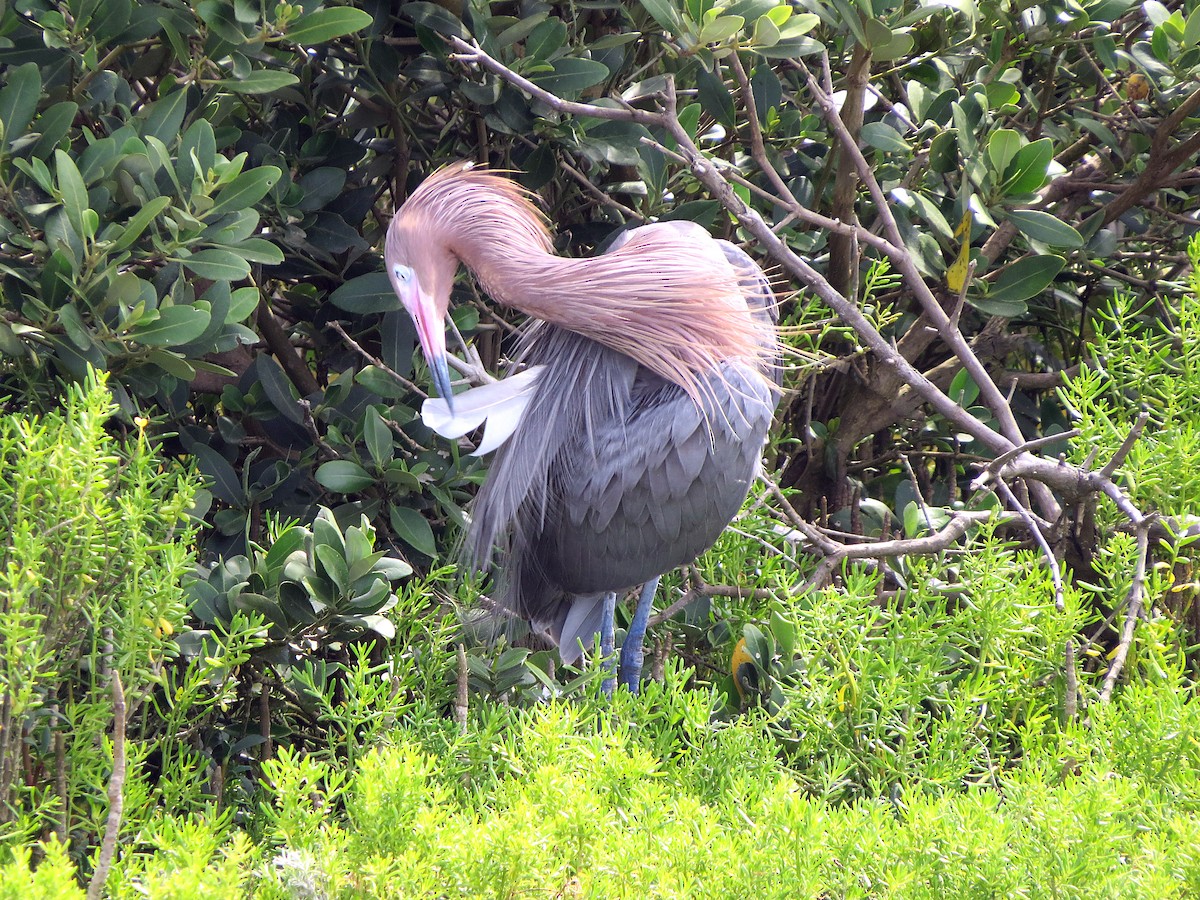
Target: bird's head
(422,273)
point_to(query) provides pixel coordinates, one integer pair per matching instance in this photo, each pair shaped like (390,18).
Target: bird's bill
(431,332)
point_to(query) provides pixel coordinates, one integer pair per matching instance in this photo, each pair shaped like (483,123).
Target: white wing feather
(498,406)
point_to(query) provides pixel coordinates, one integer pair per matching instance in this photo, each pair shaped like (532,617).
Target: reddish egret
(632,439)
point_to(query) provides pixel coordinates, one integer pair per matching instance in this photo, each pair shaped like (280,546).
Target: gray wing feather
(614,475)
(661,494)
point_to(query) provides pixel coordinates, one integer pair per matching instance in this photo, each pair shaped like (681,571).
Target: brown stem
(843,249)
(277,341)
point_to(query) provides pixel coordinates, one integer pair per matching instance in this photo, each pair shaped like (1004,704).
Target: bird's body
(642,434)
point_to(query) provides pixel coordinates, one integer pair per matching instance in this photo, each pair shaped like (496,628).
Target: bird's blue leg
(632,651)
(607,630)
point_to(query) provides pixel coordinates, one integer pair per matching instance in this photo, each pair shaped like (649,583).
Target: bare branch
(1051,561)
(1110,468)
(116,794)
(1133,611)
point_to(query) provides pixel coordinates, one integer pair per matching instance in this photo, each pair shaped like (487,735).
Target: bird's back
(616,475)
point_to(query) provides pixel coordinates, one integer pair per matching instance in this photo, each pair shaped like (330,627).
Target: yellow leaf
(956,275)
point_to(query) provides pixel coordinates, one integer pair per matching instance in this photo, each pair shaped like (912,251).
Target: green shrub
(90,588)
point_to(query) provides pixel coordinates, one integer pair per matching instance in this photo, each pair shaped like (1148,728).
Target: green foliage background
(190,199)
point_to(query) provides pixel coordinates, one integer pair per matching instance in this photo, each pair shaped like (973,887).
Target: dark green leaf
(19,100)
(703,212)
(331,561)
(433,18)
(257,250)
(546,39)
(75,327)
(369,293)
(715,98)
(288,542)
(199,141)
(327,24)
(571,75)
(884,137)
(343,476)
(110,19)
(175,325)
(172,364)
(164,118)
(226,486)
(963,389)
(1041,226)
(220,18)
(380,382)
(665,14)
(73,190)
(260,81)
(217,265)
(320,186)
(1027,172)
(279,388)
(244,191)
(413,528)
(53,125)
(520,30)
(378,437)
(1025,278)
(10,344)
(140,221)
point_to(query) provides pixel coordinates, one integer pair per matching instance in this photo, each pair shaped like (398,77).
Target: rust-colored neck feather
(667,298)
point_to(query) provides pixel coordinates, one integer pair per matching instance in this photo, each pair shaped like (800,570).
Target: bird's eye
(403,273)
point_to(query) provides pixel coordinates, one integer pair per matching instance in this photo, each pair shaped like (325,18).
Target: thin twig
(1110,468)
(1070,682)
(116,794)
(1055,572)
(1133,611)
(374,360)
(462,696)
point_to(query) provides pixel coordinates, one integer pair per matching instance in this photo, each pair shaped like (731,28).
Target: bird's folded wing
(498,406)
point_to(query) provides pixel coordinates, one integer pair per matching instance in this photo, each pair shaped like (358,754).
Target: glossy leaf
(413,528)
(279,388)
(175,325)
(19,100)
(223,480)
(665,14)
(73,191)
(571,75)
(217,264)
(1043,227)
(1025,278)
(245,190)
(260,81)
(343,476)
(884,137)
(1003,145)
(371,293)
(326,24)
(378,438)
(1027,172)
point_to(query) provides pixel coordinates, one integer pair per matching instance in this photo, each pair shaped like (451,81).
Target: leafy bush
(581,799)
(90,573)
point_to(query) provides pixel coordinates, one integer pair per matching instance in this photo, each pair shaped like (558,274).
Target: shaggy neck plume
(667,297)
